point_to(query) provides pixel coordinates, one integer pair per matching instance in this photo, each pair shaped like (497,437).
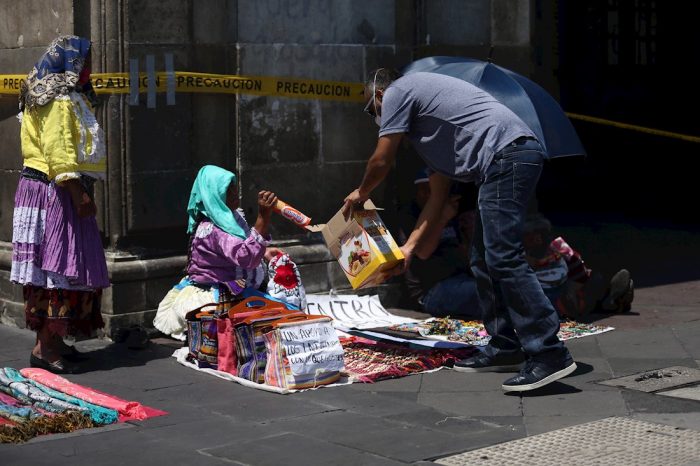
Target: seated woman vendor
(225,254)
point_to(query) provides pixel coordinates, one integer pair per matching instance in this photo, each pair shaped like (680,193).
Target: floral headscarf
(57,73)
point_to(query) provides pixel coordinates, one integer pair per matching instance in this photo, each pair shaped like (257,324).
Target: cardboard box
(363,246)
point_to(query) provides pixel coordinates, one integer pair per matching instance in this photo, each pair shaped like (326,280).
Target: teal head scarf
(208,199)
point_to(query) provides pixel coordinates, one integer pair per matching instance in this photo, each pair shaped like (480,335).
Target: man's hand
(351,200)
(408,254)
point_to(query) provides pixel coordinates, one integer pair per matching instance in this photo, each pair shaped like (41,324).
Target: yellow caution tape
(184,81)
(120,83)
(10,83)
(641,129)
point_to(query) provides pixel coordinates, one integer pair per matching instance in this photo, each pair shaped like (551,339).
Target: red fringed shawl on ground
(368,361)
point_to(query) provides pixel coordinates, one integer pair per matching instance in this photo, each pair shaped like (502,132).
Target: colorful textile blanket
(36,402)
(368,361)
(365,361)
(474,333)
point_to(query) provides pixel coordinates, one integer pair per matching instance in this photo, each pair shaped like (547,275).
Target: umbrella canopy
(535,106)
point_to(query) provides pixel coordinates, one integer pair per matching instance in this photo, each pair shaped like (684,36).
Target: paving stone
(640,402)
(492,403)
(628,366)
(581,403)
(642,344)
(477,430)
(688,336)
(307,450)
(688,393)
(397,440)
(586,347)
(411,383)
(448,380)
(362,401)
(656,380)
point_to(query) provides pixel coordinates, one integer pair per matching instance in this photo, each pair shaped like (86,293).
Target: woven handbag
(250,344)
(227,359)
(202,338)
(302,352)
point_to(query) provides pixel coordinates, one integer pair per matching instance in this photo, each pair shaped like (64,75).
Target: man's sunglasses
(369,108)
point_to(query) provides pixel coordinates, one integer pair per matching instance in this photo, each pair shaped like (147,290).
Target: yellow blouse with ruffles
(51,135)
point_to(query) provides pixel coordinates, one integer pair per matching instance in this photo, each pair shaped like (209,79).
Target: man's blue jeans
(516,312)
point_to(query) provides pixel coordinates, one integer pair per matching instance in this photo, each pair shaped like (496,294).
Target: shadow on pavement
(554,388)
(117,355)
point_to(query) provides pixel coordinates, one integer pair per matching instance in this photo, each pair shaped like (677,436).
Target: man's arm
(378,167)
(429,218)
(431,239)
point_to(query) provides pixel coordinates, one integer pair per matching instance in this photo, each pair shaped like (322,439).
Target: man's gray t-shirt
(455,126)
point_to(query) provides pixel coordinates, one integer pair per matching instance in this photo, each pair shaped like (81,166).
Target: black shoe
(59,366)
(73,355)
(482,362)
(537,374)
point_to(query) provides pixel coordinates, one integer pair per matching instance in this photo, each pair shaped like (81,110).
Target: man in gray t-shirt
(455,126)
(463,133)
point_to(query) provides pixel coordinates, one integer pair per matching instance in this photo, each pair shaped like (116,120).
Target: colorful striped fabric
(125,409)
(368,361)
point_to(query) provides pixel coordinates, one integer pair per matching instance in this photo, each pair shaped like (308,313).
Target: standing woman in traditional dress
(57,248)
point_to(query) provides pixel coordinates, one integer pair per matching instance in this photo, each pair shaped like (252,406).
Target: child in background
(572,287)
(225,255)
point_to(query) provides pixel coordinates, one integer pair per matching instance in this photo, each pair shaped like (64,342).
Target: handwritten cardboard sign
(351,311)
(311,348)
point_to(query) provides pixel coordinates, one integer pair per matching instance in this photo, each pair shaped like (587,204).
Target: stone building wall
(312,153)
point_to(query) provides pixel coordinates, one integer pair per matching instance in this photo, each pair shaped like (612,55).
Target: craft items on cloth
(37,410)
(55,398)
(474,333)
(285,281)
(37,402)
(369,361)
(127,410)
(303,351)
(570,329)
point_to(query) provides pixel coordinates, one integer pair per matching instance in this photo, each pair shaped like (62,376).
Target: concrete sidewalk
(411,420)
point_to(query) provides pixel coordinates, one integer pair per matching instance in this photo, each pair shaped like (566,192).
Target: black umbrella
(535,106)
